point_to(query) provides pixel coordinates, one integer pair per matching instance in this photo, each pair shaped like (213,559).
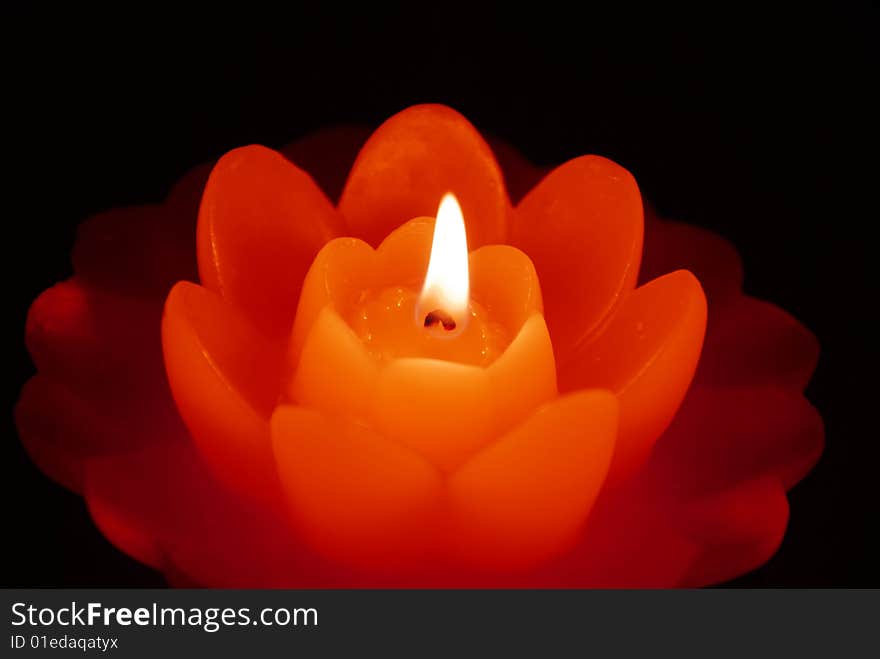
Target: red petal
(628,542)
(142,250)
(261,223)
(161,506)
(328,154)
(61,427)
(102,341)
(721,437)
(671,246)
(646,354)
(520,175)
(752,342)
(739,529)
(226,379)
(410,162)
(582,228)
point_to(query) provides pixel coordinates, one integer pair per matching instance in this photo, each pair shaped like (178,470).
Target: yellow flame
(447,282)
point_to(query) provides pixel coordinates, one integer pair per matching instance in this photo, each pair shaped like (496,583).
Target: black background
(757,125)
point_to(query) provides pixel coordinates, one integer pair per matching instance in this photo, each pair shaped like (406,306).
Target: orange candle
(418,401)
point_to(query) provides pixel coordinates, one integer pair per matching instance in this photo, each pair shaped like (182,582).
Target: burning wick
(438,317)
(447,285)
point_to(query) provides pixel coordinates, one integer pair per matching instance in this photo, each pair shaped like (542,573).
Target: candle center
(383,320)
(440,322)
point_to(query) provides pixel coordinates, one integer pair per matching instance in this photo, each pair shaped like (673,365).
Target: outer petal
(225,377)
(328,154)
(520,175)
(97,340)
(410,162)
(671,245)
(355,496)
(739,529)
(261,222)
(721,437)
(61,427)
(522,499)
(582,228)
(646,355)
(143,250)
(162,506)
(752,342)
(629,541)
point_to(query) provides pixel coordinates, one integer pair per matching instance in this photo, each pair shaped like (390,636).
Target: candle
(418,410)
(421,384)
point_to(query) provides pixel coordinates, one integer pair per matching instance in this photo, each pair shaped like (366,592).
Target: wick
(438,317)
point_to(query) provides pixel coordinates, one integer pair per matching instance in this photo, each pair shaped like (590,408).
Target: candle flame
(447,283)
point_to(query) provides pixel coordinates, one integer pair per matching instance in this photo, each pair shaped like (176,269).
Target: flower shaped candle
(423,384)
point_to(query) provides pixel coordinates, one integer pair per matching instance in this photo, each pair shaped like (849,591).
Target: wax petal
(328,154)
(410,162)
(162,506)
(520,175)
(226,378)
(55,431)
(61,426)
(582,228)
(752,342)
(740,529)
(522,499)
(143,250)
(404,253)
(97,340)
(261,223)
(355,496)
(140,250)
(646,355)
(629,541)
(504,282)
(527,362)
(342,270)
(724,436)
(184,199)
(335,373)
(671,246)
(442,410)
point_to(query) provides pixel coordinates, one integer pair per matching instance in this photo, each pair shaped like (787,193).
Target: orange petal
(522,499)
(752,342)
(356,496)
(261,222)
(335,373)
(441,409)
(582,228)
(340,273)
(226,378)
(504,282)
(410,162)
(646,354)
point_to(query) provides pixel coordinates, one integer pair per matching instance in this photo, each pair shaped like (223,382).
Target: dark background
(757,125)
